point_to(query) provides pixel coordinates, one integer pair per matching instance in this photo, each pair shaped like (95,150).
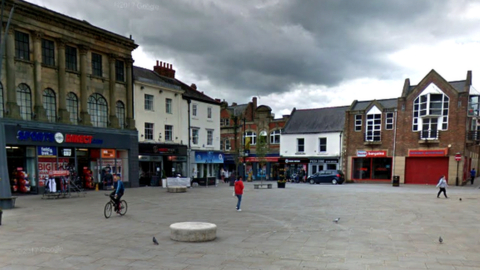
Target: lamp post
(458,158)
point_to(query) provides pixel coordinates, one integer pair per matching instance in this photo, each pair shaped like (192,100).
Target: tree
(262,151)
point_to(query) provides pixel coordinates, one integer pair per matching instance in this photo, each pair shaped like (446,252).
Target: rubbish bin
(396,181)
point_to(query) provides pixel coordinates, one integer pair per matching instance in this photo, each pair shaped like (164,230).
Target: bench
(257,186)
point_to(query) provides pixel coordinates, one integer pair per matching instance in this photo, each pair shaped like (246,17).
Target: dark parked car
(328,176)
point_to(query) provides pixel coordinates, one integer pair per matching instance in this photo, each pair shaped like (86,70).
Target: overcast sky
(295,53)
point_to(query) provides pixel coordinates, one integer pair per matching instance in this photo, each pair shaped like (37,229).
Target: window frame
(320,144)
(209,112)
(48,52)
(250,134)
(422,109)
(72,107)
(22,45)
(210,137)
(195,136)
(169,133)
(98,110)
(150,102)
(119,70)
(71,58)
(49,102)
(302,145)
(24,101)
(358,122)
(97,64)
(373,127)
(389,120)
(168,105)
(120,112)
(148,130)
(194,109)
(273,135)
(227,142)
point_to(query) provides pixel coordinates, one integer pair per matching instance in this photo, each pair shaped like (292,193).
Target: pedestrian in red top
(239,192)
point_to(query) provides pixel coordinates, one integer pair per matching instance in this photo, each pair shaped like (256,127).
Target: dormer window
(430,112)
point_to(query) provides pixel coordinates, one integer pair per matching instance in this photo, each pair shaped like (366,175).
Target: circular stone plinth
(177,189)
(193,231)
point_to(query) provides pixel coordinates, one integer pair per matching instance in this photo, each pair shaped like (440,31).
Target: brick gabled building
(428,126)
(250,121)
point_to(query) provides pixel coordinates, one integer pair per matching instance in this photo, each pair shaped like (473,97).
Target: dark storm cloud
(263,47)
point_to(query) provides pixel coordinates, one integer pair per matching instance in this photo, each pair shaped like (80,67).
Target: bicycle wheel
(108,210)
(123,207)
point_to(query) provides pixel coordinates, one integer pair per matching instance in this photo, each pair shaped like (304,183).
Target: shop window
(209,112)
(71,58)
(148,131)
(275,137)
(194,109)
(24,101)
(374,125)
(1,100)
(98,110)
(300,145)
(121,114)
(168,133)
(48,52)
(22,45)
(50,105)
(148,102)
(168,105)
(358,122)
(323,144)
(97,65)
(195,136)
(72,107)
(389,121)
(430,105)
(209,137)
(372,168)
(119,71)
(250,138)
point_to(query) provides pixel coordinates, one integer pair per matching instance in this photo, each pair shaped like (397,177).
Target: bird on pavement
(336,220)
(155,241)
(440,239)
(460,199)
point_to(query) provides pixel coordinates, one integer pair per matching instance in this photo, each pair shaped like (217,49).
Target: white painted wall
(203,123)
(159,117)
(288,145)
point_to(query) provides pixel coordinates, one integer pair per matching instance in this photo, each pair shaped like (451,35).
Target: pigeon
(460,199)
(440,239)
(155,241)
(336,220)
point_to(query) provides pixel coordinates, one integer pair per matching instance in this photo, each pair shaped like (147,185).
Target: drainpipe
(394,145)
(189,151)
(340,152)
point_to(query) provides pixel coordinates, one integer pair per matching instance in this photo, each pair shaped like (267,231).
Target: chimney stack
(234,104)
(193,86)
(164,69)
(254,100)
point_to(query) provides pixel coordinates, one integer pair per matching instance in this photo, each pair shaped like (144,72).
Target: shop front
(426,166)
(206,165)
(159,161)
(256,168)
(35,150)
(295,169)
(372,165)
(322,164)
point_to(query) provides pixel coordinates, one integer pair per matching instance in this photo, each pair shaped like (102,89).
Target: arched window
(72,107)
(98,110)
(24,101)
(50,104)
(1,100)
(121,114)
(250,137)
(275,137)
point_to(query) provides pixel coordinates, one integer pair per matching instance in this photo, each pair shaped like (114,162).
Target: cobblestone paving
(380,227)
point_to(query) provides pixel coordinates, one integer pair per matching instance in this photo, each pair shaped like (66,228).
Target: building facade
(312,142)
(67,89)
(243,127)
(178,127)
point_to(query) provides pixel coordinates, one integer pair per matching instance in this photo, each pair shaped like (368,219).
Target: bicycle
(111,205)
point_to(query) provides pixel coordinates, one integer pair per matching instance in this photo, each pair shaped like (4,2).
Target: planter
(280,185)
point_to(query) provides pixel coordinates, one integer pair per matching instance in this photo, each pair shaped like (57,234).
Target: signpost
(458,158)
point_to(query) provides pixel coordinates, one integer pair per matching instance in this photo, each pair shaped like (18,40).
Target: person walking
(473,173)
(239,192)
(442,184)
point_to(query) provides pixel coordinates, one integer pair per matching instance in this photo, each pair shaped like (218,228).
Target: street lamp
(458,158)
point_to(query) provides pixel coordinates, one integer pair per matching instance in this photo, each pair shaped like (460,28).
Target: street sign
(458,157)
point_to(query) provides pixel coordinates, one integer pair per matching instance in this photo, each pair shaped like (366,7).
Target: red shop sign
(361,153)
(428,153)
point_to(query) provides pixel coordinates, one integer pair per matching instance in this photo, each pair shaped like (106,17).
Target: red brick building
(250,121)
(417,136)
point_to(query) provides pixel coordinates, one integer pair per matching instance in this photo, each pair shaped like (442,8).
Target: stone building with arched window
(65,100)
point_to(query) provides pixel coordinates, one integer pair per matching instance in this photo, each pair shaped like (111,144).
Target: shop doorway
(149,171)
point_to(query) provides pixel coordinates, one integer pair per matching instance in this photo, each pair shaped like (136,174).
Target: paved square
(381,227)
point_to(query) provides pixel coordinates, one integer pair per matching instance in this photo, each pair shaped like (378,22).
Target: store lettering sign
(47,151)
(292,161)
(362,153)
(428,153)
(58,137)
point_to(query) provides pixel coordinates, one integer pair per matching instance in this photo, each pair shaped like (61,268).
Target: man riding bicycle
(118,191)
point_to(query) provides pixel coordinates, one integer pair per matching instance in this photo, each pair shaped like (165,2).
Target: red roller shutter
(425,170)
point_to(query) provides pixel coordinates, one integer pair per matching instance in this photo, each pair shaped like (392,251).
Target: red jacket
(238,187)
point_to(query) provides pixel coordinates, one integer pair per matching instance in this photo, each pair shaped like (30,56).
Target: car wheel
(312,181)
(334,181)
